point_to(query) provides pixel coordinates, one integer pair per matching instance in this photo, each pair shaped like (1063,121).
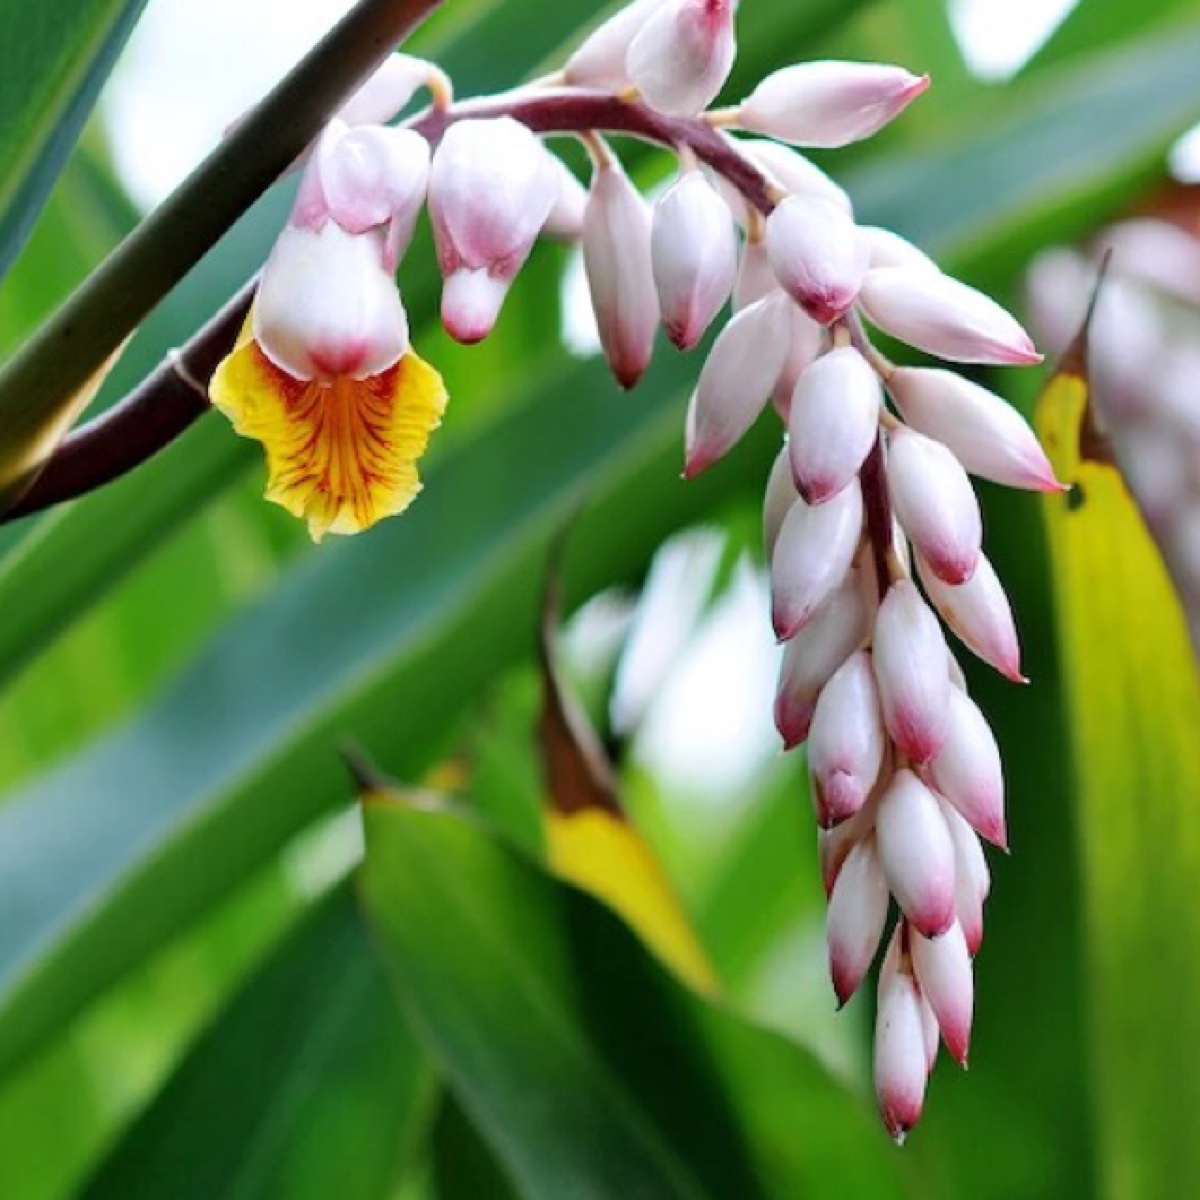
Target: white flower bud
(888,249)
(838,628)
(829,104)
(755,279)
(846,741)
(834,845)
(929,1027)
(917,853)
(989,437)
(912,669)
(972,881)
(858,907)
(979,614)
(795,173)
(599,61)
(565,221)
(815,549)
(816,255)
(736,380)
(491,189)
(695,257)
(967,770)
(901,1067)
(616,251)
(943,970)
(942,316)
(833,422)
(682,56)
(805,339)
(780,495)
(387,90)
(935,504)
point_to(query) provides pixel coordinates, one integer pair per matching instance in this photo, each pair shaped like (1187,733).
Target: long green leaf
(590,1071)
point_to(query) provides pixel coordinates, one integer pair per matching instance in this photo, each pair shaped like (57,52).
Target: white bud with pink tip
(912,669)
(929,1027)
(917,853)
(599,61)
(755,279)
(943,969)
(491,189)
(565,221)
(780,495)
(795,173)
(387,90)
(694,253)
(942,316)
(805,340)
(837,629)
(834,845)
(935,504)
(829,104)
(846,741)
(979,613)
(967,770)
(901,1066)
(817,255)
(616,252)
(833,422)
(736,380)
(989,437)
(682,55)
(888,249)
(972,880)
(858,907)
(814,551)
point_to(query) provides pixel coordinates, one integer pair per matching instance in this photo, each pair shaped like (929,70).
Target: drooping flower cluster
(1145,359)
(863,501)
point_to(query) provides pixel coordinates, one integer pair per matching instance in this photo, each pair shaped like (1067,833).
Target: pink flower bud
(989,437)
(858,907)
(491,189)
(972,881)
(912,669)
(565,221)
(901,1067)
(967,770)
(694,253)
(805,339)
(829,104)
(681,57)
(795,173)
(917,853)
(944,317)
(817,255)
(780,495)
(935,504)
(600,60)
(838,628)
(833,422)
(846,741)
(736,380)
(755,279)
(387,91)
(888,249)
(943,970)
(979,614)
(815,549)
(616,251)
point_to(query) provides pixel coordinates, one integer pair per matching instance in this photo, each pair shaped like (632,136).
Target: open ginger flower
(323,374)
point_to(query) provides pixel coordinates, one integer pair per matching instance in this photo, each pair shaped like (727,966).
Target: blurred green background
(189,1002)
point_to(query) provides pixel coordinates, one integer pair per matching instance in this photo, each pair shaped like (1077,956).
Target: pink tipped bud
(795,173)
(837,629)
(935,504)
(805,339)
(781,494)
(929,1027)
(600,60)
(815,549)
(833,846)
(491,189)
(979,614)
(736,380)
(565,222)
(681,57)
(694,253)
(942,316)
(616,252)
(817,255)
(901,1067)
(833,422)
(972,880)
(943,970)
(912,669)
(989,437)
(846,741)
(917,853)
(755,279)
(387,91)
(888,249)
(967,769)
(829,104)
(858,908)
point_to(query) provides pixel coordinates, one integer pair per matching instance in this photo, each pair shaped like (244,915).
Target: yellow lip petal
(341,454)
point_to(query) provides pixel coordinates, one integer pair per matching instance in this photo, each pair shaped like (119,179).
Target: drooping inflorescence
(871,523)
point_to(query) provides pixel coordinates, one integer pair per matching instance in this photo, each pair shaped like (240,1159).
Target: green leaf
(307,1086)
(463,1166)
(54,56)
(589,1070)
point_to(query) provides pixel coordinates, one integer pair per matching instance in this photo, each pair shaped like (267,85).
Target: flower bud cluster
(1145,359)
